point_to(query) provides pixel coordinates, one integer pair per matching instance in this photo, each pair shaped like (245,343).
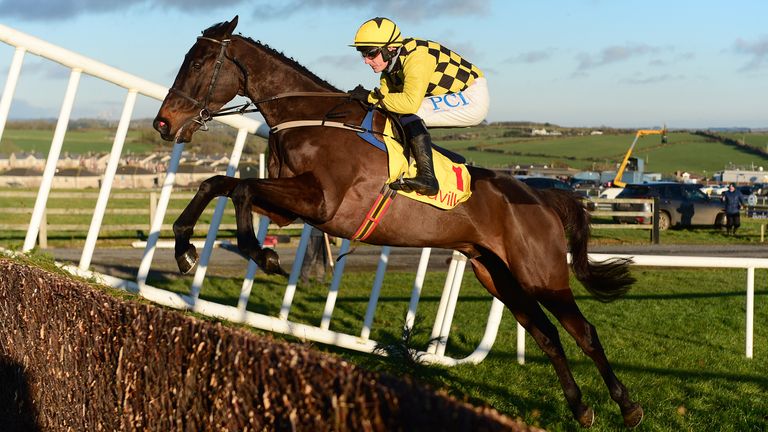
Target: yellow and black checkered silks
(452,74)
(424,68)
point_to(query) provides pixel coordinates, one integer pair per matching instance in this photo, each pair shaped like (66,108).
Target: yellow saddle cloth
(453,177)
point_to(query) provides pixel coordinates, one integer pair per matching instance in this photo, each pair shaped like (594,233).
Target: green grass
(75,141)
(683,151)
(493,146)
(676,341)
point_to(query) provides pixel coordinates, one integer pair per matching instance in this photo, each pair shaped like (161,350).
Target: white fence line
(750,264)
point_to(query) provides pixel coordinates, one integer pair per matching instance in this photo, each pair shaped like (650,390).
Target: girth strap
(375,214)
(304,123)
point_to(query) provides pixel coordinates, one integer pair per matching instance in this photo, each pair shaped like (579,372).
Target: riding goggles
(369,52)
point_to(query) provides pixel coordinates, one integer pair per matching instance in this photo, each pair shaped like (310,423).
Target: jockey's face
(376,62)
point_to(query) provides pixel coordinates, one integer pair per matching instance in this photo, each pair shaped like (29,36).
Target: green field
(76,141)
(144,140)
(682,152)
(493,146)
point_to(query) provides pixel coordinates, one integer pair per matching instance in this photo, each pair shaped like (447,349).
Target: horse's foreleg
(185,253)
(300,196)
(499,282)
(567,312)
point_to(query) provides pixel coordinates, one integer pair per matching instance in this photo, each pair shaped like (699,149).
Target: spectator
(733,200)
(316,259)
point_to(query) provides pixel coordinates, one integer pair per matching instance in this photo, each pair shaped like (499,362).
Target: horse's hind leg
(186,255)
(567,312)
(500,282)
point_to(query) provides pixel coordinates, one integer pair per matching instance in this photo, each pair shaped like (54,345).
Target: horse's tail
(605,280)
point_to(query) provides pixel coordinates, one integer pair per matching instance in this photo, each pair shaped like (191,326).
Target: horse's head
(206,81)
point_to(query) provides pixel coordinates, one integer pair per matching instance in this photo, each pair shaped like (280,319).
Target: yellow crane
(640,133)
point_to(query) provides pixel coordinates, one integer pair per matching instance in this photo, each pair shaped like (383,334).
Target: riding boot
(425,182)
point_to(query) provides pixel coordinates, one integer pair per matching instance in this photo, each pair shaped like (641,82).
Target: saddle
(369,135)
(383,130)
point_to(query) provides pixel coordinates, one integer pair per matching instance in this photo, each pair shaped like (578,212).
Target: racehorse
(515,238)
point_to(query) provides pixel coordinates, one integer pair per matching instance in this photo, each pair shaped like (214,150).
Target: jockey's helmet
(378,32)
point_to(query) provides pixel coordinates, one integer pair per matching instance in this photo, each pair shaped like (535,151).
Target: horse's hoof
(187,260)
(587,418)
(269,261)
(633,416)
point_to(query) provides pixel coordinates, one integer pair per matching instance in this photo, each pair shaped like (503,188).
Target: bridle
(205,114)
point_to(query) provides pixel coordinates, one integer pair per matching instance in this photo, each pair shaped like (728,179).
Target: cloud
(53,10)
(22,109)
(531,57)
(654,79)
(340,61)
(757,53)
(407,10)
(47,69)
(613,54)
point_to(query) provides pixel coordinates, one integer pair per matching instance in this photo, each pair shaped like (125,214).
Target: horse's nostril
(161,126)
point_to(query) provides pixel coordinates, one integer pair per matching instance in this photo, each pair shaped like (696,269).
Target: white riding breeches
(468,107)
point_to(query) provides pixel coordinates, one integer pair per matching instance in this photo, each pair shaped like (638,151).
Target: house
(76,178)
(21,177)
(190,174)
(136,177)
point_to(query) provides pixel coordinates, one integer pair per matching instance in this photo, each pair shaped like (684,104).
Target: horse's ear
(232,25)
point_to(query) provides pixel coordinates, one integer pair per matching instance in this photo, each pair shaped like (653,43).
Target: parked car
(608,193)
(545,183)
(577,183)
(680,205)
(714,190)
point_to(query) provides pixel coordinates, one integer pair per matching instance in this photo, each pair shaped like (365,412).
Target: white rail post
(10,86)
(750,309)
(293,278)
(520,344)
(333,292)
(53,158)
(157,221)
(106,184)
(437,327)
(218,214)
(418,284)
(451,306)
(245,290)
(373,300)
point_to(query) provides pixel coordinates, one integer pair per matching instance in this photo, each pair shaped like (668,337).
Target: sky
(590,63)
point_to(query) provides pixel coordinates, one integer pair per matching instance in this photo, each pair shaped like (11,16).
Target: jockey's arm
(417,71)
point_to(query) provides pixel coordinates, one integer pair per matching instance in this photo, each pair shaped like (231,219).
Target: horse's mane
(290,61)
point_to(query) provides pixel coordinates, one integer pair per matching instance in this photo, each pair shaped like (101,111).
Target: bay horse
(516,238)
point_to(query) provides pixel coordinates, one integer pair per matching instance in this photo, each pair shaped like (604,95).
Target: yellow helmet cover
(378,32)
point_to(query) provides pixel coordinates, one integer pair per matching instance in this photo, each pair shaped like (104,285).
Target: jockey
(426,84)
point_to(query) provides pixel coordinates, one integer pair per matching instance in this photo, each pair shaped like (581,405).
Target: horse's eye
(197,65)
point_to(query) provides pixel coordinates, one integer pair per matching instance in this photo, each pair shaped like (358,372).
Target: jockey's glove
(360,93)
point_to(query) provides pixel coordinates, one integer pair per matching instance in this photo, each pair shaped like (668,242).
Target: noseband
(205,114)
